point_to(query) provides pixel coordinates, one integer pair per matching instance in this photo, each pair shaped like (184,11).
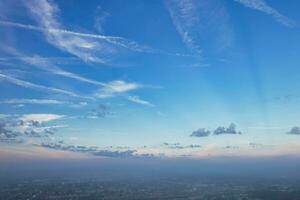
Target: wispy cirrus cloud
(32,101)
(114,88)
(136,99)
(200,21)
(107,90)
(100,18)
(262,6)
(26,84)
(86,46)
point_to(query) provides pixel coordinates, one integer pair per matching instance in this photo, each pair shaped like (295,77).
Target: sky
(149,79)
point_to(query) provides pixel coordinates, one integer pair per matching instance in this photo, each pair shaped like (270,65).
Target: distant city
(183,188)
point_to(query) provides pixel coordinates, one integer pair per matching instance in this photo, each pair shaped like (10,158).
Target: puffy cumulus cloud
(294,130)
(230,130)
(14,128)
(201,132)
(7,135)
(114,88)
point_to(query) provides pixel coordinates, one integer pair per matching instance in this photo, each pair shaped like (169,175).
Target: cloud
(231,147)
(47,65)
(199,22)
(32,101)
(294,130)
(114,88)
(34,86)
(262,6)
(179,146)
(201,132)
(88,47)
(40,117)
(109,89)
(230,130)
(101,111)
(19,128)
(136,99)
(94,150)
(7,135)
(100,18)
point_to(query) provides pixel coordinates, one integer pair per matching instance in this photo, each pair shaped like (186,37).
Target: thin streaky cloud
(119,41)
(30,85)
(44,64)
(183,11)
(199,22)
(136,99)
(113,40)
(84,46)
(58,71)
(109,89)
(116,87)
(262,6)
(32,101)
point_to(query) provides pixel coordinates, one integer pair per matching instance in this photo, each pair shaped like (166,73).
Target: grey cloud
(179,146)
(14,129)
(294,130)
(230,130)
(94,150)
(201,132)
(231,147)
(101,111)
(7,135)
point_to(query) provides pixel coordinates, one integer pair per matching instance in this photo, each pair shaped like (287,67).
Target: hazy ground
(222,178)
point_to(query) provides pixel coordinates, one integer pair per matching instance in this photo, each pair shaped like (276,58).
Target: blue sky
(150,78)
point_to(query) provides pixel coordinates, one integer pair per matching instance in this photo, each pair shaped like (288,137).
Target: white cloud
(199,22)
(137,100)
(30,85)
(262,6)
(37,62)
(40,117)
(114,88)
(86,46)
(32,101)
(113,40)
(100,18)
